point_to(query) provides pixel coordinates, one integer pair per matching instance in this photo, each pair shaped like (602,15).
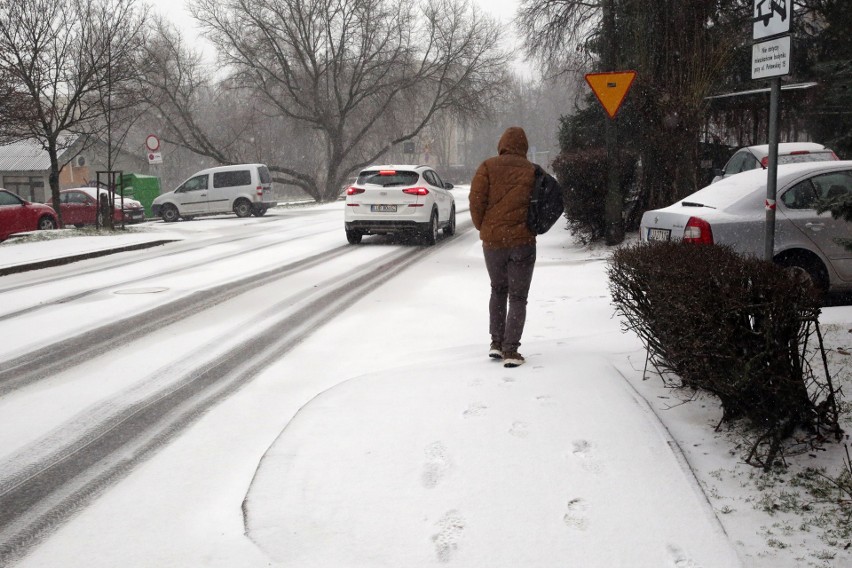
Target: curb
(74,258)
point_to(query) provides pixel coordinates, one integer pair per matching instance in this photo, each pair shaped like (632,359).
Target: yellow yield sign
(611,88)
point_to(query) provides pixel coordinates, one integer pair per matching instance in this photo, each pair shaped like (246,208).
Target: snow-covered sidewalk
(556,463)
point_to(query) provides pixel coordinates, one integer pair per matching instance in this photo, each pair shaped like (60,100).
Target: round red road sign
(152,143)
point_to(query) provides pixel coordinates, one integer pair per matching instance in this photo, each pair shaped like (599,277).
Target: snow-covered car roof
(728,191)
(90,191)
(761,150)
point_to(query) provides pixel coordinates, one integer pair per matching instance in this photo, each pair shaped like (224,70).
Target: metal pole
(613,204)
(614,232)
(772,173)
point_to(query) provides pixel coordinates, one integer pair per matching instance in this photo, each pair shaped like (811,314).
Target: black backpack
(545,202)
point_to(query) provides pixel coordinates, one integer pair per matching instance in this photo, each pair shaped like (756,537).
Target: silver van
(244,189)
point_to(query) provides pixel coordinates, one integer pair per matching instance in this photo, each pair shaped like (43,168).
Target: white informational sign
(155,158)
(770,58)
(772,17)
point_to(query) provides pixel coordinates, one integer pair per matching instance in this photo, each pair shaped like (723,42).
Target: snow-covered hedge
(740,328)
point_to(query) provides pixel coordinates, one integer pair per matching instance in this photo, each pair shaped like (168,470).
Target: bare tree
(16,109)
(558,34)
(352,78)
(60,55)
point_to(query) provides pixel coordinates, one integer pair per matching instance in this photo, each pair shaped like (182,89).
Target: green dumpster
(141,188)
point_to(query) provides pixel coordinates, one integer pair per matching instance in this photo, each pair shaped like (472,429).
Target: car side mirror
(448,185)
(718,172)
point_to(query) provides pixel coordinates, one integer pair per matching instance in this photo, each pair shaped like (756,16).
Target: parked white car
(732,212)
(757,157)
(244,189)
(398,199)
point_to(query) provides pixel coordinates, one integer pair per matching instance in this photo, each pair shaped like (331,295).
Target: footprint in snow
(437,465)
(474,409)
(446,540)
(575,514)
(679,558)
(520,429)
(584,450)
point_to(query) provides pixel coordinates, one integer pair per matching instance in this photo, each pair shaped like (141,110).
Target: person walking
(499,199)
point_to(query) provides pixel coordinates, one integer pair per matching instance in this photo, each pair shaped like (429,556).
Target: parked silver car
(732,212)
(757,157)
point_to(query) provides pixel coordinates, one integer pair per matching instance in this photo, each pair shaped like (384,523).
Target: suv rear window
(387,179)
(806,157)
(231,179)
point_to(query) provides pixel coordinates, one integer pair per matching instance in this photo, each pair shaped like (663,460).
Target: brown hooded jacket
(500,194)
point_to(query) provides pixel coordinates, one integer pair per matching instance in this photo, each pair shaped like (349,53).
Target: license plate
(659,234)
(383,208)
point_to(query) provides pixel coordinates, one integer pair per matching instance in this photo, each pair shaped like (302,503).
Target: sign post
(771,59)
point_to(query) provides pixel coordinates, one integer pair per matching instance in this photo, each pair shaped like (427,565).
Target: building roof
(29,156)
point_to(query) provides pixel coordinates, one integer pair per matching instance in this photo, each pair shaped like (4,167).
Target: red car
(17,215)
(79,207)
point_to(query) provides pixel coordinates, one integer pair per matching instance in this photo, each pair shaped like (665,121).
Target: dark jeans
(511,273)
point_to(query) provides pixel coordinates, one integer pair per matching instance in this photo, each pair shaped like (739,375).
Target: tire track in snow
(155,255)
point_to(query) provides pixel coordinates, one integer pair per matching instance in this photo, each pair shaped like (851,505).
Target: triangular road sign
(611,88)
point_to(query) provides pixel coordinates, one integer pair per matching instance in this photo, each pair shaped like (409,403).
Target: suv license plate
(383,208)
(659,234)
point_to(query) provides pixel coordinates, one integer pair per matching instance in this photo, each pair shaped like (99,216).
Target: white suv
(399,199)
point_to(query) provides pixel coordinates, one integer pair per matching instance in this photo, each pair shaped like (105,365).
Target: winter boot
(512,359)
(495,351)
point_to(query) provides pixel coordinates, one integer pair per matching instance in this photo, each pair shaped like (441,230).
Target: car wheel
(260,211)
(46,224)
(354,237)
(170,213)
(807,267)
(450,227)
(430,235)
(242,208)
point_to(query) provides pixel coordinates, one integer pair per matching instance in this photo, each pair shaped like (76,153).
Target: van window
(232,178)
(264,174)
(194,184)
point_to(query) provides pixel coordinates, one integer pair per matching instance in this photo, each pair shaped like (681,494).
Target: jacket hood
(513,141)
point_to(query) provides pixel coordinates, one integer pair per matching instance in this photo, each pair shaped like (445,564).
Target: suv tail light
(416,191)
(260,191)
(698,231)
(354,191)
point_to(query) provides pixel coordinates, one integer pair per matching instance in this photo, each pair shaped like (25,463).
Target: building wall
(83,169)
(32,186)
